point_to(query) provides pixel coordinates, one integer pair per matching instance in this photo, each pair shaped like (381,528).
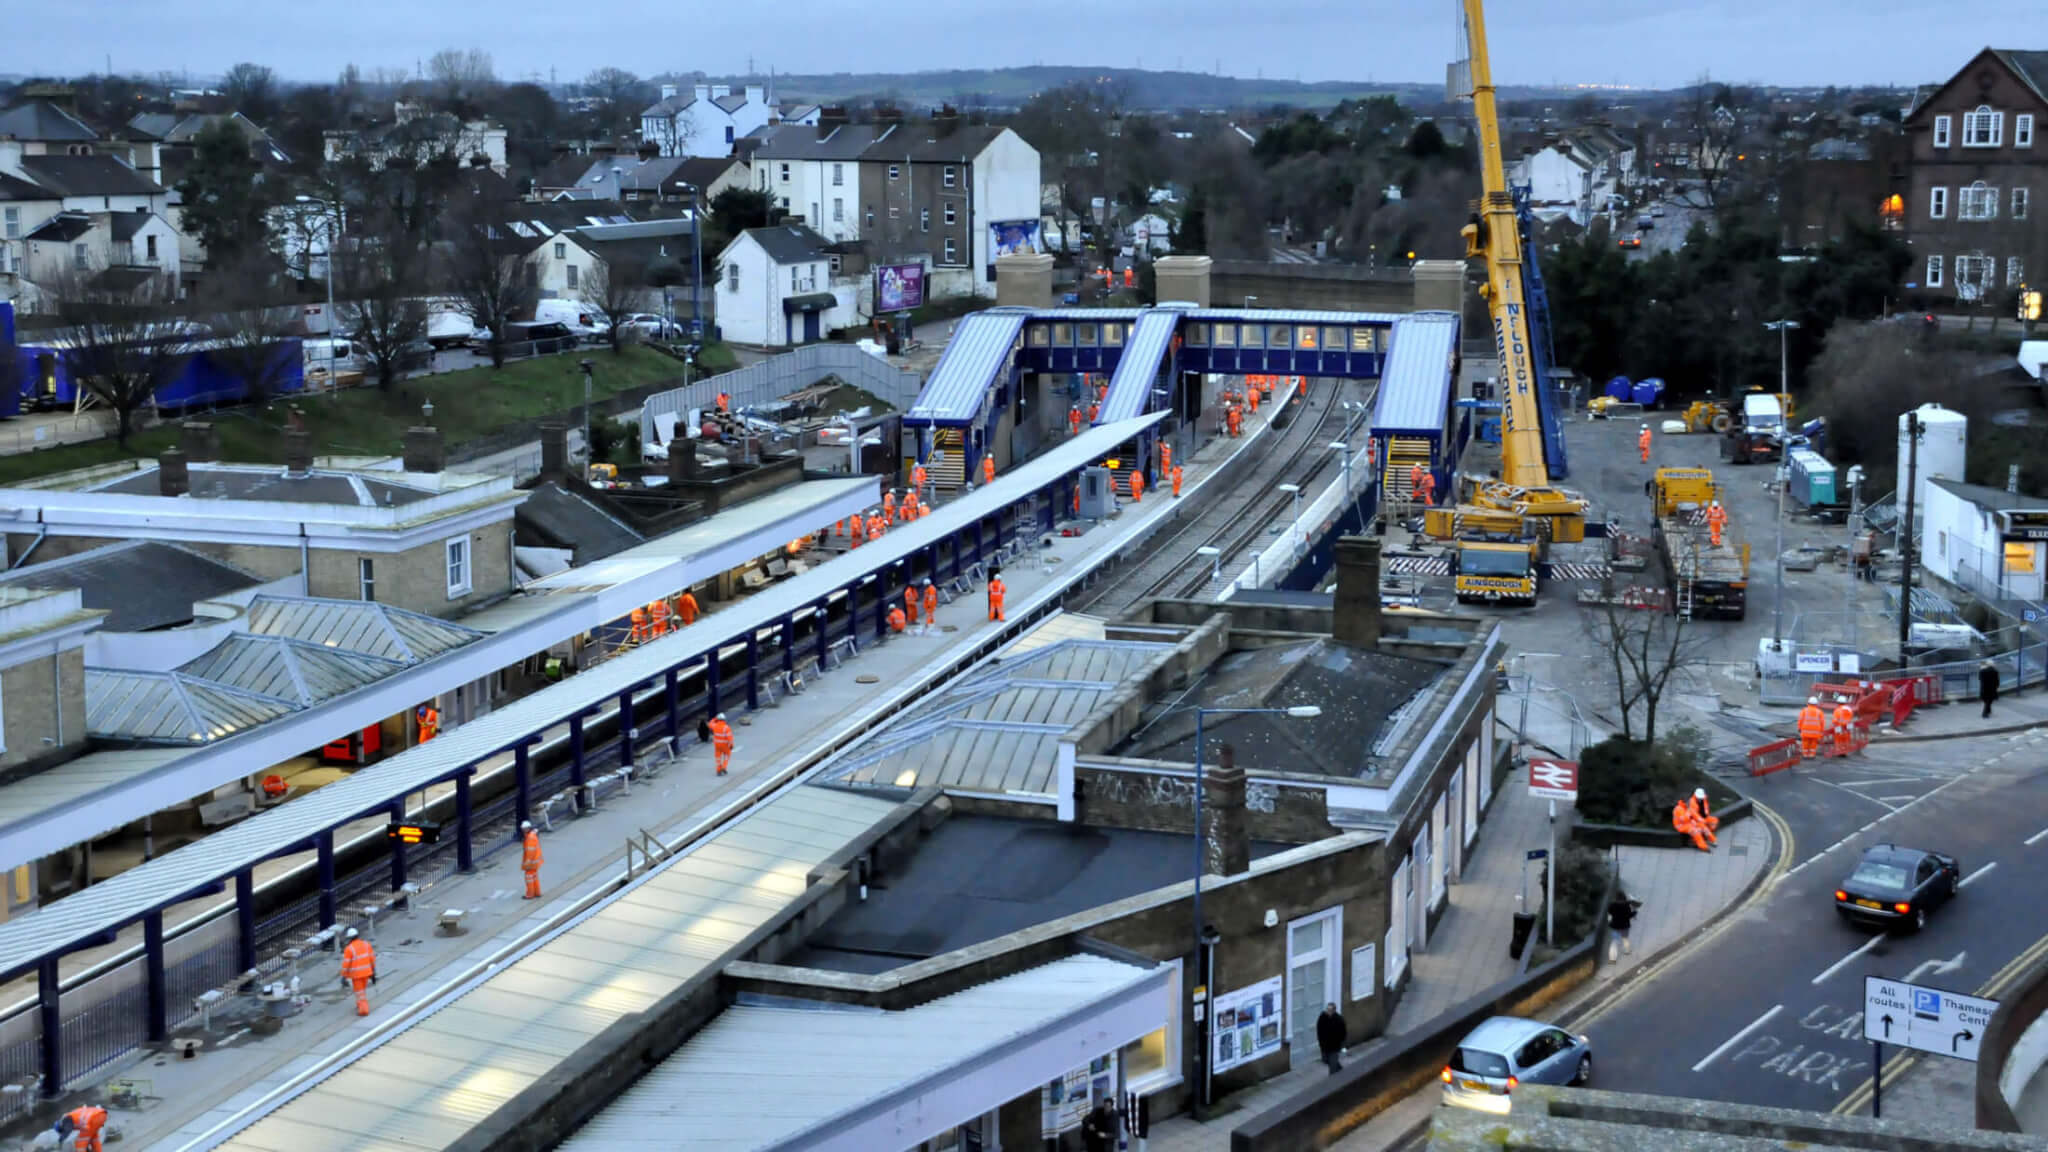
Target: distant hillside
(1009,87)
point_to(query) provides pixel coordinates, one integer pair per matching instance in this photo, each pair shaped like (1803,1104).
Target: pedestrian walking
(1987,685)
(1176,481)
(931,603)
(529,858)
(686,608)
(1330,1035)
(1813,724)
(1643,443)
(997,590)
(721,743)
(359,969)
(83,1125)
(1621,915)
(1098,1128)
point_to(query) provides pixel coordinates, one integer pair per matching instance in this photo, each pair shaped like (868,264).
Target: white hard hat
(1813,699)
(721,715)
(526,825)
(352,933)
(1700,792)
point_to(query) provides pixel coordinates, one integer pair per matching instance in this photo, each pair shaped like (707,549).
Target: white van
(324,355)
(1761,412)
(573,315)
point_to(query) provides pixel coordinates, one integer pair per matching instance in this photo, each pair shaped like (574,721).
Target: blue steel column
(670,694)
(789,644)
(978,554)
(522,784)
(398,848)
(50,1007)
(245,918)
(629,728)
(818,622)
(576,755)
(881,603)
(711,693)
(954,540)
(153,964)
(853,610)
(753,669)
(465,853)
(324,845)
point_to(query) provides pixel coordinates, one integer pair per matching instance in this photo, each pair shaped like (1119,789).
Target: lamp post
(1206,938)
(1343,452)
(1785,433)
(333,213)
(696,260)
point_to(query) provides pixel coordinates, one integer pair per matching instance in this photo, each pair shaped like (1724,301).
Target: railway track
(1233,521)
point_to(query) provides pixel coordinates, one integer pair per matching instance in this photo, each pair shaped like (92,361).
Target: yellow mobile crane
(1523,486)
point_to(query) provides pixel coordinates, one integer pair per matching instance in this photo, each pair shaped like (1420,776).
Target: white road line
(1845,961)
(1859,795)
(1979,872)
(1895,799)
(2037,837)
(1733,1040)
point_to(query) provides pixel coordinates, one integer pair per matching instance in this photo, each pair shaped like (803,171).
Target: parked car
(578,318)
(651,327)
(1894,886)
(1508,1051)
(1631,241)
(539,339)
(453,330)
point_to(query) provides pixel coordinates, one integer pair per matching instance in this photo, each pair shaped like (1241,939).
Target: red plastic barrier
(1774,757)
(1859,739)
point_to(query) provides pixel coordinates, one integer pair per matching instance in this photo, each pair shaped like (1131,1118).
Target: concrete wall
(29,695)
(1331,287)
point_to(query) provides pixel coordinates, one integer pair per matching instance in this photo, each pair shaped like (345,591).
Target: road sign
(1930,1019)
(1539,853)
(1554,779)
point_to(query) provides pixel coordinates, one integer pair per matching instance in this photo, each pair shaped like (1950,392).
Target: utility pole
(1906,534)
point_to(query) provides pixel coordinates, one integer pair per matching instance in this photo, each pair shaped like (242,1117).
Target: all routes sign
(1930,1019)
(1554,779)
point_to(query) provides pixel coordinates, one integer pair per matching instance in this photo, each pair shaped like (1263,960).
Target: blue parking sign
(1927,1003)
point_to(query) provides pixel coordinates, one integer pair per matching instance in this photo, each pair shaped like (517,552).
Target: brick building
(1977,165)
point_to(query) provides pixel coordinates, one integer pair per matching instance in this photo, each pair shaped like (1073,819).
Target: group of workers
(1422,484)
(1109,277)
(900,619)
(858,529)
(658,619)
(1692,817)
(1816,726)
(1237,403)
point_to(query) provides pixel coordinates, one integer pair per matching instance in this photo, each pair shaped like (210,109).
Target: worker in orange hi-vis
(1094,410)
(910,592)
(1428,490)
(1251,400)
(1165,457)
(1075,505)
(1845,728)
(1703,815)
(988,468)
(1717,522)
(918,477)
(1176,481)
(1137,486)
(686,608)
(429,720)
(658,618)
(1415,474)
(1074,420)
(1102,392)
(1813,725)
(1683,819)
(721,743)
(637,633)
(931,603)
(897,620)
(997,590)
(860,532)
(889,504)
(1643,443)
(359,969)
(1234,420)
(529,858)
(839,527)
(83,1125)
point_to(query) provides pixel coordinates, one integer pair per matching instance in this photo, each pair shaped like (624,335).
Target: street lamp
(696,260)
(333,213)
(1205,937)
(1784,464)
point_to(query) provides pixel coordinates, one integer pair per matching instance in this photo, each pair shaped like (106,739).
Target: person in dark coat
(1621,916)
(1098,1128)
(1987,685)
(1330,1034)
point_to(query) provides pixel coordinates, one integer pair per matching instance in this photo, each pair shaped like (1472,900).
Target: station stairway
(1397,475)
(949,473)
(1137,370)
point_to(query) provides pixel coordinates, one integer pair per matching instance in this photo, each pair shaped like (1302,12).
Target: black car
(1894,885)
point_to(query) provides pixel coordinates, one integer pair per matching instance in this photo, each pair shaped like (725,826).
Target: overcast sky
(1655,43)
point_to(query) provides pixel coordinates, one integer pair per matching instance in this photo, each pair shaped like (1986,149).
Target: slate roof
(2032,67)
(564,519)
(15,188)
(671,105)
(144,584)
(841,142)
(931,142)
(87,176)
(731,103)
(153,125)
(1359,690)
(790,243)
(44,121)
(63,227)
(126,224)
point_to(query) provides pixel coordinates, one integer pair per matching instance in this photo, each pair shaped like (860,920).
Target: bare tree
(484,269)
(251,332)
(620,96)
(615,289)
(1715,125)
(461,81)
(122,341)
(381,277)
(251,89)
(1644,651)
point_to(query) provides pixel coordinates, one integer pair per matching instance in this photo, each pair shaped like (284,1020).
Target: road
(1769,1011)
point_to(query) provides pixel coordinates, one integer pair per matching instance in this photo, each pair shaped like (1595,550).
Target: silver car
(1507,1051)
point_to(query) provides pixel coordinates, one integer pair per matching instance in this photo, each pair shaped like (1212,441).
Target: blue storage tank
(1620,389)
(1649,392)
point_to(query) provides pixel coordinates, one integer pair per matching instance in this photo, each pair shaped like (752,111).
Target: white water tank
(1943,436)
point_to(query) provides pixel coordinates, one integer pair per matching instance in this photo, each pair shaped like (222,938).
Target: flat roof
(869,1079)
(975,878)
(1416,381)
(1988,498)
(141,584)
(273,483)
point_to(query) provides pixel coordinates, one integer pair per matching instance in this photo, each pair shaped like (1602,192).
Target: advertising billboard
(899,286)
(1009,237)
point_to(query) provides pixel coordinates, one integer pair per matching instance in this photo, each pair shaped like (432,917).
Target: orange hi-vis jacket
(358,960)
(529,855)
(1812,723)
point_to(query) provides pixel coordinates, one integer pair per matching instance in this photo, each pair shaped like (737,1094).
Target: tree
(1069,126)
(615,289)
(460,81)
(385,265)
(224,199)
(484,270)
(124,342)
(1715,124)
(532,122)
(1643,651)
(735,210)
(251,89)
(620,96)
(250,331)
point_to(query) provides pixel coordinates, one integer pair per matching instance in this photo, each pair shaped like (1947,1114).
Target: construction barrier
(1774,757)
(1859,739)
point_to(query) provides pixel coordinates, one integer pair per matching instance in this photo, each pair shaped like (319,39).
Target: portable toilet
(1620,389)
(1812,478)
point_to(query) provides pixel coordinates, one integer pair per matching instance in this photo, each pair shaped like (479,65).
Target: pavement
(584,856)
(32,431)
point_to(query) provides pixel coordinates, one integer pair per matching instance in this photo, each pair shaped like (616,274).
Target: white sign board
(1247,1024)
(1363,976)
(1813,662)
(1930,1019)
(1553,779)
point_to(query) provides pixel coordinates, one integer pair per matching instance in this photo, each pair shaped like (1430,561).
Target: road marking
(1859,795)
(1936,967)
(1977,873)
(1895,799)
(1845,961)
(1737,1038)
(2037,837)
(1938,790)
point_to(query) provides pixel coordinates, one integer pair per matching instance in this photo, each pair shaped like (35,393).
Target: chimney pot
(1356,609)
(682,460)
(199,440)
(173,476)
(298,451)
(424,451)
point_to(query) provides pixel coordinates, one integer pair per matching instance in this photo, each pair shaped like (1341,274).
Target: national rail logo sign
(1554,779)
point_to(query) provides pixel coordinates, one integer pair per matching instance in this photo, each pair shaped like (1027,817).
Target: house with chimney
(704,121)
(784,285)
(950,195)
(417,136)
(815,173)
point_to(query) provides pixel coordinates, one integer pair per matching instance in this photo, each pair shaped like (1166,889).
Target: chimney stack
(298,449)
(1226,842)
(682,460)
(200,441)
(173,478)
(668,91)
(424,451)
(554,451)
(1357,606)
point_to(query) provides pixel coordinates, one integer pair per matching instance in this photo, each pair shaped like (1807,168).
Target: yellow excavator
(1522,485)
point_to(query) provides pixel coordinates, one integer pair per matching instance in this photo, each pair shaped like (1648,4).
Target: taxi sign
(1930,1019)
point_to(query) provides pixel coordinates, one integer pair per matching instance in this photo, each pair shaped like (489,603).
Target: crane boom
(1494,237)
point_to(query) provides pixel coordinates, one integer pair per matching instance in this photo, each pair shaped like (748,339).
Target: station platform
(298,1088)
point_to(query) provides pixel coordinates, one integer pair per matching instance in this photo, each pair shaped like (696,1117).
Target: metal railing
(1958,678)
